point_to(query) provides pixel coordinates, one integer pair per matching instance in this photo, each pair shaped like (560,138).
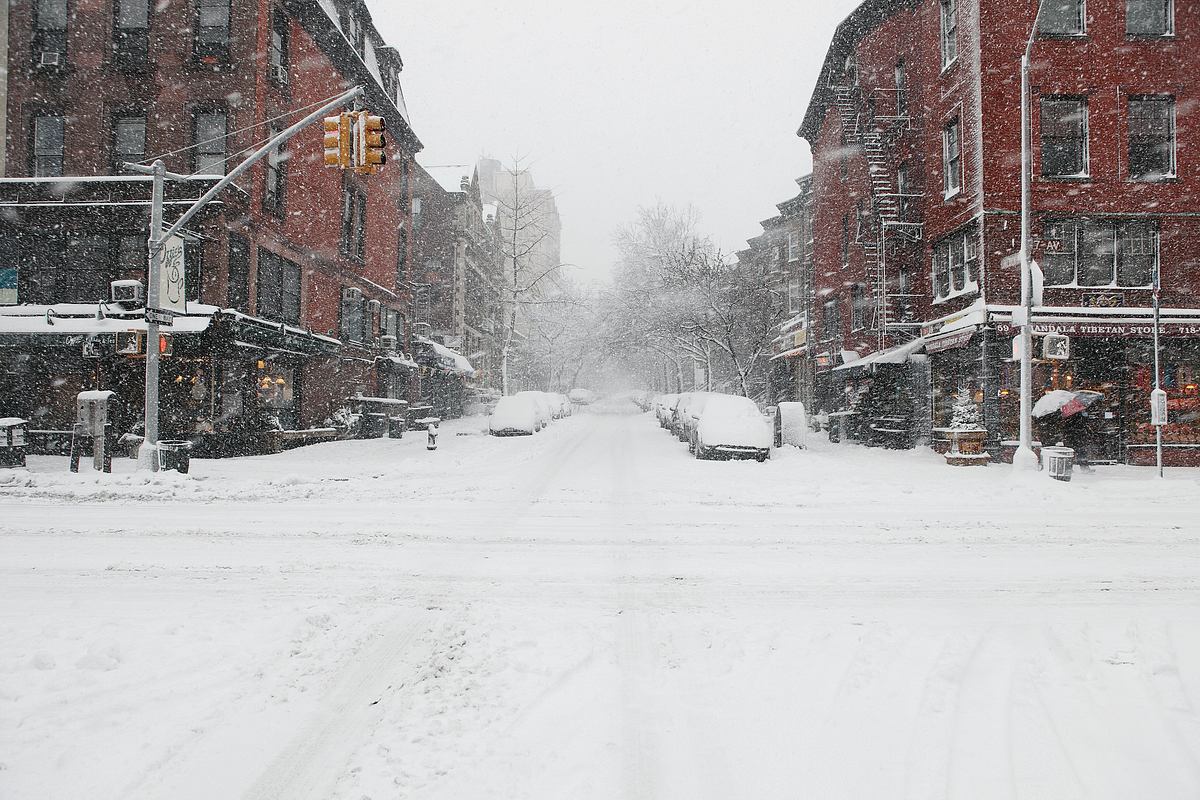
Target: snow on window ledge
(972,287)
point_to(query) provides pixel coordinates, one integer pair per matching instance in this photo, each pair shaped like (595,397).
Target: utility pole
(1024,459)
(1158,429)
(148,455)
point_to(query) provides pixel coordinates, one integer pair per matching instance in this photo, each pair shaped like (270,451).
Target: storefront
(226,379)
(1113,355)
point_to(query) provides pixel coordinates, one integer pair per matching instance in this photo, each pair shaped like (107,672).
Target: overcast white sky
(620,103)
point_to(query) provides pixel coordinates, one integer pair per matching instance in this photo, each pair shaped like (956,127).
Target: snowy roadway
(591,614)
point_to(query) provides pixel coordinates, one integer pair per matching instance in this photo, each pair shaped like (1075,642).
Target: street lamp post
(1024,458)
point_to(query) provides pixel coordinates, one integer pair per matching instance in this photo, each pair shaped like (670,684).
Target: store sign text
(1106,328)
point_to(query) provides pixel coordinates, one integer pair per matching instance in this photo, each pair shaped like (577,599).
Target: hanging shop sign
(172,283)
(1056,347)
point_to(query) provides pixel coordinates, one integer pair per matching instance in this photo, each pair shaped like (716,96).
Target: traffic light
(337,141)
(370,154)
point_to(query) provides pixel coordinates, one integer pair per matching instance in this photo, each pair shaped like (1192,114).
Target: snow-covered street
(590,613)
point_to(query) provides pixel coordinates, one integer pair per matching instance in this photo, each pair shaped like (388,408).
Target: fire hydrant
(432,433)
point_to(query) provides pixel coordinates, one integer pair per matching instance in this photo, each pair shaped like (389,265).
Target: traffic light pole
(148,455)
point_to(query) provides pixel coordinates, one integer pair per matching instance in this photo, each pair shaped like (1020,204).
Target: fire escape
(887,218)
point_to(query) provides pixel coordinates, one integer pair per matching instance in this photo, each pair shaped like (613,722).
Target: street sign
(159,315)
(1158,407)
(172,282)
(1056,347)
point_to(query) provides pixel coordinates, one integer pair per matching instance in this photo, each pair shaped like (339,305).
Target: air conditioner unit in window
(128,293)
(388,343)
(279,74)
(49,58)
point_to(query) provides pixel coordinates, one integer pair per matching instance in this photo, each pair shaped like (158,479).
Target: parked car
(545,412)
(730,426)
(514,416)
(582,397)
(664,404)
(687,414)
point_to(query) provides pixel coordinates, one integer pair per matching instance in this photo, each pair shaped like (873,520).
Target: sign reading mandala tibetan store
(1119,328)
(172,283)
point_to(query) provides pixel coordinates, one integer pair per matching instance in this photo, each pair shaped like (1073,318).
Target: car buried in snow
(514,416)
(730,426)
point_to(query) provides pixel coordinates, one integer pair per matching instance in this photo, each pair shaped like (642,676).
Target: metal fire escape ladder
(885,205)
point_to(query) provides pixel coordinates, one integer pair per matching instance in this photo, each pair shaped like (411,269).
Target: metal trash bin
(175,454)
(1058,462)
(396,426)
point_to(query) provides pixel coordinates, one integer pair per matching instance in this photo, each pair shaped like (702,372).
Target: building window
(952,158)
(832,320)
(131,33)
(238,289)
(49,32)
(1064,128)
(402,259)
(279,49)
(132,255)
(354,221)
(793,291)
(48,132)
(902,191)
(1151,137)
(1061,18)
(901,90)
(128,141)
(956,264)
(212,30)
(858,307)
(949,32)
(1149,17)
(354,320)
(209,131)
(276,178)
(845,241)
(793,246)
(87,269)
(278,288)
(1100,253)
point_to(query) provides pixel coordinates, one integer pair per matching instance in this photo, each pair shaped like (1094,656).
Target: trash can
(175,454)
(396,425)
(1058,462)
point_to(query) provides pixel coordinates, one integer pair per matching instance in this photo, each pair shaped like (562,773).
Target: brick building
(916,137)
(296,274)
(456,252)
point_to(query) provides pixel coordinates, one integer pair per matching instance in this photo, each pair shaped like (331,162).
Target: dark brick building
(299,270)
(915,131)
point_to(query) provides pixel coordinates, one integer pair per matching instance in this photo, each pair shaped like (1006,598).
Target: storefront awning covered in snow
(894,355)
(442,357)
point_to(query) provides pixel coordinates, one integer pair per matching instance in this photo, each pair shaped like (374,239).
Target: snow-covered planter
(967,434)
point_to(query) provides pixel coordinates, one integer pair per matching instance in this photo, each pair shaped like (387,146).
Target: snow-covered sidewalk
(589,613)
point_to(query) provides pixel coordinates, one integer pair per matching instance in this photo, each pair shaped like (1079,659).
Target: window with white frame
(1100,253)
(48,138)
(793,246)
(1064,129)
(794,296)
(956,264)
(903,189)
(859,306)
(952,178)
(1152,137)
(1061,18)
(210,129)
(1149,17)
(949,32)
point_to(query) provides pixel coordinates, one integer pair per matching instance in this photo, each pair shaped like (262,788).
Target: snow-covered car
(514,416)
(582,397)
(664,404)
(687,412)
(565,404)
(545,412)
(730,426)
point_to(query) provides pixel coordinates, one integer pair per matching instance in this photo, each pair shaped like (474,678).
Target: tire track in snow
(309,766)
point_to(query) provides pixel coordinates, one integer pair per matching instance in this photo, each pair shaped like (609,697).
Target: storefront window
(275,386)
(1181,382)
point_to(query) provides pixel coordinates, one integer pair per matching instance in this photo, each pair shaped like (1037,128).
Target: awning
(894,355)
(399,360)
(796,351)
(442,357)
